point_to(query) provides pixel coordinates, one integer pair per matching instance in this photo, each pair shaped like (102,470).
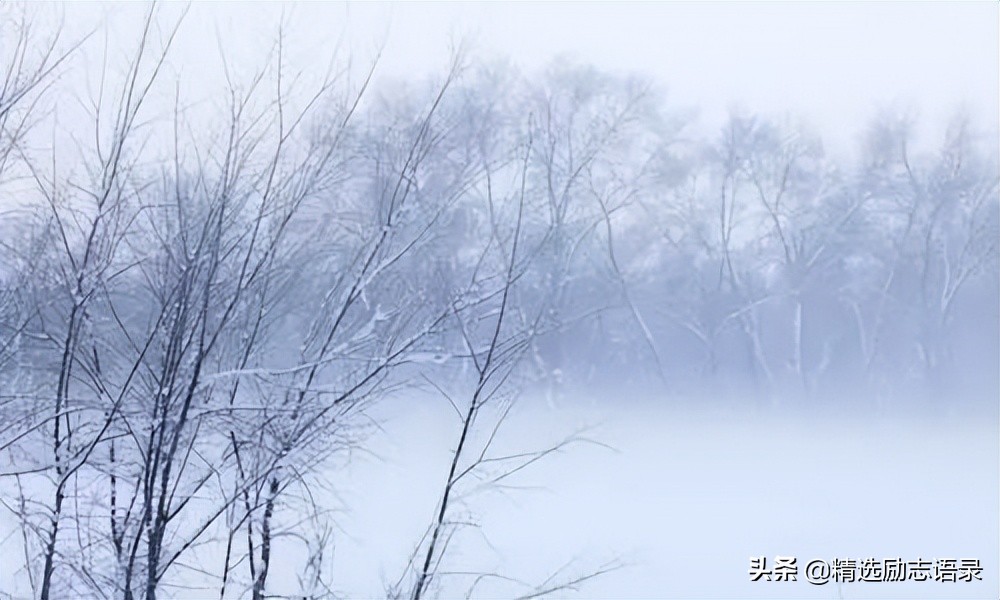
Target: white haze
(679,489)
(835,64)
(680,499)
(685,497)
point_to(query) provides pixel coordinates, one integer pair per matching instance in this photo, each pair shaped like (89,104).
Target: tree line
(195,319)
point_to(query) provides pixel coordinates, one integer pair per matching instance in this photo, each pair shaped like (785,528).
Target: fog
(687,495)
(499,300)
(678,503)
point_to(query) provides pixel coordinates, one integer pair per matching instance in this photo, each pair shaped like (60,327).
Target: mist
(494,300)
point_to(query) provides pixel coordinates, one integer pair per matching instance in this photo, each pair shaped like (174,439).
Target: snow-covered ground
(688,496)
(683,501)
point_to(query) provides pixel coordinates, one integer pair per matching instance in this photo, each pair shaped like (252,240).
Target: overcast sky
(833,63)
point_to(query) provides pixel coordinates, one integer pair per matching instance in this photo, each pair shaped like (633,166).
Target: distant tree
(937,215)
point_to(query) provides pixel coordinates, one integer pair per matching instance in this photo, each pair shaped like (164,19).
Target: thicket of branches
(193,322)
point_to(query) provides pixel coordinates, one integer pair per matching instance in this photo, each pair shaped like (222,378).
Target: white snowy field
(687,497)
(683,501)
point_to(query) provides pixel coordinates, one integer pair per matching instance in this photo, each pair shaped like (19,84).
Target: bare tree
(198,309)
(595,137)
(88,222)
(939,214)
(29,63)
(365,325)
(496,332)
